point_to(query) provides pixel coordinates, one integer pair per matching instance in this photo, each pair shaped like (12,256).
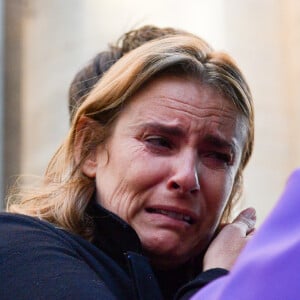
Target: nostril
(195,190)
(175,186)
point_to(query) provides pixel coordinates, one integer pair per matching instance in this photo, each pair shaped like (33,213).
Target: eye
(159,141)
(217,160)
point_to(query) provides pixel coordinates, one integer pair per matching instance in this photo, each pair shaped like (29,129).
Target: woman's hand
(228,244)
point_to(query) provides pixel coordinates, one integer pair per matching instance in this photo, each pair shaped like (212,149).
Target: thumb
(246,220)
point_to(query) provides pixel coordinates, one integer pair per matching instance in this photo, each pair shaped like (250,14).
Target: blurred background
(44,42)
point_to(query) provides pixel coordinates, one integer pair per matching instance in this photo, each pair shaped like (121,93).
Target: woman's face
(169,166)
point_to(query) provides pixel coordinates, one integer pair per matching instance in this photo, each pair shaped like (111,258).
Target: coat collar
(112,234)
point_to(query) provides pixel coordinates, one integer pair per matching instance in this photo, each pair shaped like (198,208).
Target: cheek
(144,169)
(147,172)
(116,194)
(125,183)
(217,188)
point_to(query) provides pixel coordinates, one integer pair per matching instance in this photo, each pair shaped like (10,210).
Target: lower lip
(166,220)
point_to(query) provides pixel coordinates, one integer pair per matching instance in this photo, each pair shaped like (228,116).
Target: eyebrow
(165,129)
(219,142)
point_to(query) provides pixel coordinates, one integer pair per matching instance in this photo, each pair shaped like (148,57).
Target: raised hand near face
(228,244)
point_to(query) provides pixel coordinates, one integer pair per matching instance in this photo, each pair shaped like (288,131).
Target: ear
(89,166)
(85,154)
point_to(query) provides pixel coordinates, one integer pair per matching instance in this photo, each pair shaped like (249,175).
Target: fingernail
(249,213)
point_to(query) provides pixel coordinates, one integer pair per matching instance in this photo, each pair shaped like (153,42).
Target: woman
(151,165)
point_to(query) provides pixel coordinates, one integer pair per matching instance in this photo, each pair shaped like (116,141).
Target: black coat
(41,261)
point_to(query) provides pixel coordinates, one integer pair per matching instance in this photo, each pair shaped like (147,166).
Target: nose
(185,177)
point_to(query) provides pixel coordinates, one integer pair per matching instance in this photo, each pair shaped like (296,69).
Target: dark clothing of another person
(41,261)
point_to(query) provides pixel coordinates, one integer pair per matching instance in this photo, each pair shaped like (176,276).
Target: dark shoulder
(41,261)
(16,226)
(16,221)
(18,231)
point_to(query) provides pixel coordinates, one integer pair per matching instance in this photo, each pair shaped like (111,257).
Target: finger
(246,220)
(220,227)
(251,233)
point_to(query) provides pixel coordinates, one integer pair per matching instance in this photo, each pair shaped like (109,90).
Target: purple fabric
(269,266)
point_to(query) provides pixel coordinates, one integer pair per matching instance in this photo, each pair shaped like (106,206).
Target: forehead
(187,103)
(184,95)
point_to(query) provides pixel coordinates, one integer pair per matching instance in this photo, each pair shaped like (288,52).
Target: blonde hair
(63,196)
(90,74)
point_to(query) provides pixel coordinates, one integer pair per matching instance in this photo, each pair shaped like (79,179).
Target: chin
(167,255)
(166,249)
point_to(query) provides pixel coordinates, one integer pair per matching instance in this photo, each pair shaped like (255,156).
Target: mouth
(176,215)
